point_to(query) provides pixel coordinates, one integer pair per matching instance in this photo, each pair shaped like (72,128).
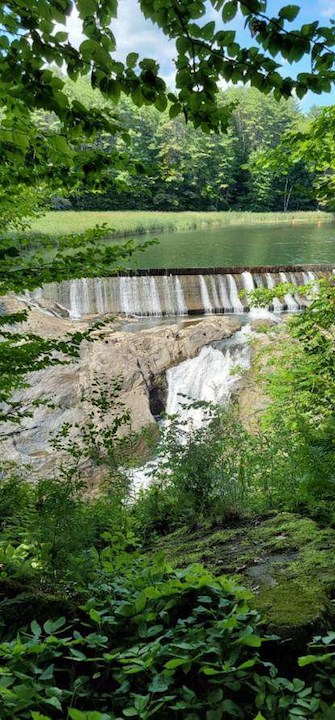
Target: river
(293,244)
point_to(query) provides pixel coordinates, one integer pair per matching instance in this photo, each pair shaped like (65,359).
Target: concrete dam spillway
(176,292)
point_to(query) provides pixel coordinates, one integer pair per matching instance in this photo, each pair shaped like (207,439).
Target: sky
(136,34)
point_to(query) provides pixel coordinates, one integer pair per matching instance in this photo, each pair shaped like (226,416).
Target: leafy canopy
(32,43)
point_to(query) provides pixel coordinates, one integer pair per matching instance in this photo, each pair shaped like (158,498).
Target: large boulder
(138,359)
(285,559)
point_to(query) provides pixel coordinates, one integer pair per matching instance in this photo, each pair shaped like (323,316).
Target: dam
(177,291)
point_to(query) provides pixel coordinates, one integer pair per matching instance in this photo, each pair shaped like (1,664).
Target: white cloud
(328,8)
(133,33)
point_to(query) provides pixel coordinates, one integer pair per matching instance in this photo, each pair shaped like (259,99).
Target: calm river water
(247,245)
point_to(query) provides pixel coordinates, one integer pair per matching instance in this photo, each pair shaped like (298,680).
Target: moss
(286,560)
(19,605)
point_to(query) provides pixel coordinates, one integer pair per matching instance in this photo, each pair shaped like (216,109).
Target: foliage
(312,145)
(186,170)
(53,523)
(299,378)
(150,642)
(199,474)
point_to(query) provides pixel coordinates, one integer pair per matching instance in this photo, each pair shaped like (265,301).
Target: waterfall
(206,377)
(126,304)
(291,303)
(171,293)
(181,304)
(233,294)
(206,303)
(225,299)
(211,377)
(154,295)
(277,305)
(100,299)
(215,293)
(75,309)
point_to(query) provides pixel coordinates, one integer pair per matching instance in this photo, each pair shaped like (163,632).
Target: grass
(125,223)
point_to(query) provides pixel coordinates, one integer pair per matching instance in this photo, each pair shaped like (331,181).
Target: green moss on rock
(287,560)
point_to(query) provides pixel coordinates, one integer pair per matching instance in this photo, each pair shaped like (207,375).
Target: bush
(152,642)
(201,475)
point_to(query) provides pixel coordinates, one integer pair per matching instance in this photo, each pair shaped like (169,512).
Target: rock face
(136,358)
(285,559)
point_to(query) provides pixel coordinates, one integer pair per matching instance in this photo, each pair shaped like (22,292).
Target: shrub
(152,642)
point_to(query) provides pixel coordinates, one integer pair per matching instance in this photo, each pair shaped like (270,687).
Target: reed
(127,223)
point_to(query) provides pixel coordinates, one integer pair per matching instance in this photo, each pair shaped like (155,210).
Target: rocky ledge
(137,359)
(285,559)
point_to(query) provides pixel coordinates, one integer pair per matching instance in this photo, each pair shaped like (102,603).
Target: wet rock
(136,359)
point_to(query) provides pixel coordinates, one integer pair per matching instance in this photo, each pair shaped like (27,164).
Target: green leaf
(130,712)
(86,7)
(54,702)
(48,673)
(51,626)
(229,11)
(131,60)
(161,103)
(95,616)
(208,30)
(35,629)
(77,654)
(175,110)
(76,714)
(176,662)
(310,659)
(251,641)
(289,12)
(158,684)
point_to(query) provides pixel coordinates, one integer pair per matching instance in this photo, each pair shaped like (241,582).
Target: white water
(233,294)
(181,304)
(290,302)
(206,303)
(169,295)
(225,299)
(277,305)
(75,310)
(215,292)
(210,377)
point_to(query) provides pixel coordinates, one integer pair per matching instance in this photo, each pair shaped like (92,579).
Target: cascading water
(181,305)
(215,292)
(75,310)
(233,294)
(170,294)
(224,294)
(206,303)
(290,302)
(277,305)
(210,377)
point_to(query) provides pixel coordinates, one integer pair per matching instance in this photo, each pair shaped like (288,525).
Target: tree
(313,145)
(48,158)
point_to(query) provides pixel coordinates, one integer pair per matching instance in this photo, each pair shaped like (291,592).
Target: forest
(179,168)
(208,594)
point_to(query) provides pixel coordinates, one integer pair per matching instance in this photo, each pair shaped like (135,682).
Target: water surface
(293,244)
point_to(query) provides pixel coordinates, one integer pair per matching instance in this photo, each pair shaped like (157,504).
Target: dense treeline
(183,169)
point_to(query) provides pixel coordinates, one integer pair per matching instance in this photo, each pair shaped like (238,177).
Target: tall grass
(125,223)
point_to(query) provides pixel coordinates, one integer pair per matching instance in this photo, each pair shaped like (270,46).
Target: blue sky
(134,33)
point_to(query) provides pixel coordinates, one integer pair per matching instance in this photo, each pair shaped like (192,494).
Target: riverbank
(126,223)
